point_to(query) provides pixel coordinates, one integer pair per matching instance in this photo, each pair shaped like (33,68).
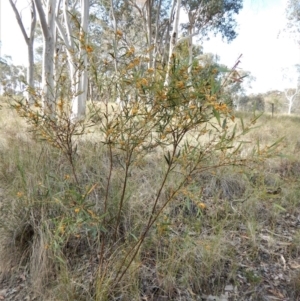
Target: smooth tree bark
(77,56)
(47,21)
(291,78)
(215,16)
(291,96)
(79,104)
(149,30)
(293,19)
(173,39)
(156,36)
(29,39)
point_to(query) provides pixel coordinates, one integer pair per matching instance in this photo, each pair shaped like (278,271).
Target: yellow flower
(20,194)
(77,210)
(61,228)
(207,247)
(134,110)
(109,131)
(136,60)
(130,66)
(161,96)
(201,205)
(198,68)
(81,37)
(92,213)
(211,98)
(130,51)
(221,107)
(60,105)
(119,33)
(89,48)
(180,85)
(144,81)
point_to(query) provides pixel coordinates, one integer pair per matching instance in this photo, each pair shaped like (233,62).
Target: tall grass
(140,202)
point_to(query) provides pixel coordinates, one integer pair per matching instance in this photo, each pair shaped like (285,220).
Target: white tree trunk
(114,19)
(290,98)
(78,61)
(156,46)
(173,40)
(67,37)
(79,102)
(149,30)
(190,51)
(48,29)
(29,41)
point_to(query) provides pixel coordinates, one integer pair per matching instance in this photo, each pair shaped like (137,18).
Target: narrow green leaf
(167,160)
(224,123)
(279,207)
(233,132)
(243,126)
(217,115)
(276,142)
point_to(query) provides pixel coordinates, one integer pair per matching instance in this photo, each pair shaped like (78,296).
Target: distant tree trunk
(191,33)
(149,31)
(190,45)
(29,41)
(156,46)
(79,102)
(173,40)
(77,61)
(290,98)
(48,29)
(114,19)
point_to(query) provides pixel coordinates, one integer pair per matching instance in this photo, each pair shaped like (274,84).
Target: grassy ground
(232,234)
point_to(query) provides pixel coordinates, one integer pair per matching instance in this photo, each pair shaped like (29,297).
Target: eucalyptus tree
(291,78)
(12,79)
(29,39)
(61,20)
(293,17)
(47,21)
(161,23)
(210,16)
(74,34)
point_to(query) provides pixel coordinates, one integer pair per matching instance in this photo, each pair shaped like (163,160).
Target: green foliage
(293,16)
(213,15)
(185,129)
(12,79)
(252,103)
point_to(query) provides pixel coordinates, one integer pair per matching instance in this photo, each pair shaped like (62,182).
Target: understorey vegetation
(127,174)
(169,195)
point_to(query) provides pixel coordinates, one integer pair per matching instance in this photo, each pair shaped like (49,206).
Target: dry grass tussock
(231,232)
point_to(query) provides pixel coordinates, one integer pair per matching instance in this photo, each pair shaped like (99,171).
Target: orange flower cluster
(180,85)
(89,48)
(142,82)
(119,33)
(222,107)
(133,63)
(130,51)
